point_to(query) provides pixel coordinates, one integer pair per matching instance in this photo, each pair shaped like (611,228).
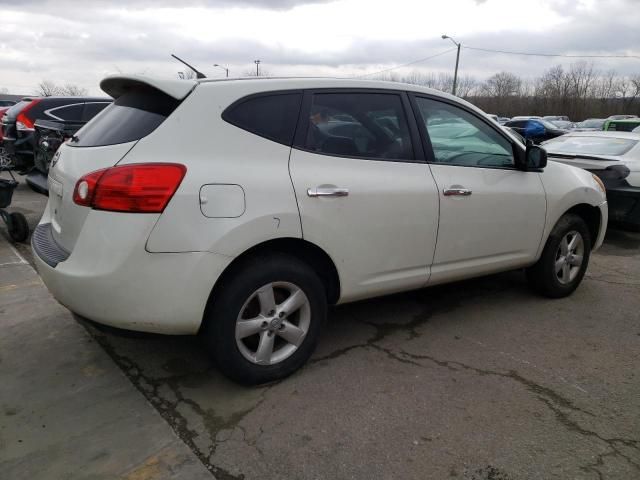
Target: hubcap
(569,257)
(273,323)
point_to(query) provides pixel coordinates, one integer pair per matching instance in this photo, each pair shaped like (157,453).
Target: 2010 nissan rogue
(240,209)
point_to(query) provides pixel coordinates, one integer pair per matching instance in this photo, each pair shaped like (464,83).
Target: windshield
(132,116)
(590,145)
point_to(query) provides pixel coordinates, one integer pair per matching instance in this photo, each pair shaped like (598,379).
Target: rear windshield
(590,145)
(130,117)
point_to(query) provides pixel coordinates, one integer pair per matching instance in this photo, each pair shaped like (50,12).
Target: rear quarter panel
(216,152)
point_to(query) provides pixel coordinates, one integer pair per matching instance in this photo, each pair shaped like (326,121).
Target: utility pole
(455,72)
(257,62)
(224,68)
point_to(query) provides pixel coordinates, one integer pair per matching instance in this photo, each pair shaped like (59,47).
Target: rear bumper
(113,280)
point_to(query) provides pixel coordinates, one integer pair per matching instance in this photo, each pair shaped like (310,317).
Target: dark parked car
(535,129)
(18,123)
(7,103)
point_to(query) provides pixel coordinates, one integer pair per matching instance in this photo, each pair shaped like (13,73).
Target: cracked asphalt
(474,380)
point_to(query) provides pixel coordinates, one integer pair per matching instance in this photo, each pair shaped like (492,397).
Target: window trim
(426,139)
(305,110)
(269,93)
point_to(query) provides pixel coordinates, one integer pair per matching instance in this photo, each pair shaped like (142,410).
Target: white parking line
(21,259)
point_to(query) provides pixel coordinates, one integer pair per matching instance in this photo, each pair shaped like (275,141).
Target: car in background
(621,117)
(612,156)
(493,117)
(7,103)
(551,118)
(623,125)
(525,117)
(536,130)
(503,120)
(590,125)
(18,123)
(564,124)
(5,160)
(161,194)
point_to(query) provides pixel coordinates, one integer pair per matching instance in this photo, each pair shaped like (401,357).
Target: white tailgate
(71,163)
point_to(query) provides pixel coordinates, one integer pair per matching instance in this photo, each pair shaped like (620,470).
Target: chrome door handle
(457,191)
(328,192)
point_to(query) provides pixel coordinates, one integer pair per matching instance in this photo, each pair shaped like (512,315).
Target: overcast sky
(80,42)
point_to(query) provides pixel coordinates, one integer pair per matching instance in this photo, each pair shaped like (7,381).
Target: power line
(637,57)
(405,64)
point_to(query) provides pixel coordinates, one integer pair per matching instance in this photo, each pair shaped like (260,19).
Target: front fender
(567,187)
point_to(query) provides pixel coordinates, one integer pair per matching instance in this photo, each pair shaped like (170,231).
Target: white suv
(240,209)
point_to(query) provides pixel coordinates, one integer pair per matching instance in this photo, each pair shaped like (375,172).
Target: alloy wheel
(273,323)
(569,257)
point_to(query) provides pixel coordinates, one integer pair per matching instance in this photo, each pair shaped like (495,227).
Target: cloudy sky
(80,42)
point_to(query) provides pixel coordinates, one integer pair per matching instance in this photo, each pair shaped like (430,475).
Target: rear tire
(264,321)
(19,228)
(564,259)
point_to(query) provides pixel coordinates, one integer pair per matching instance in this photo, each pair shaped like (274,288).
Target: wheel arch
(304,250)
(591,216)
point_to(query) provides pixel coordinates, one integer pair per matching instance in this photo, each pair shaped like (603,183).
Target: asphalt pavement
(477,380)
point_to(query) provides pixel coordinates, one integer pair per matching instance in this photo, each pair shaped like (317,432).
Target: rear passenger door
(365,193)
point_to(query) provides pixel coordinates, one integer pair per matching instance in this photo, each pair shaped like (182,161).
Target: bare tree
(73,90)
(47,88)
(501,85)
(187,74)
(4,90)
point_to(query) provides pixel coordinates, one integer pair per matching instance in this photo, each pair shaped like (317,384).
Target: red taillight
(26,121)
(86,188)
(136,188)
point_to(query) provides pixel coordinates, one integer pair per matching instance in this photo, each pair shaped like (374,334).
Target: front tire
(265,319)
(564,259)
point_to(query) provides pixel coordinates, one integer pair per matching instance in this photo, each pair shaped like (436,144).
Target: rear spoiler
(117,85)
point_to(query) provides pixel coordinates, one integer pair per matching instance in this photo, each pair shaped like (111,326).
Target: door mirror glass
(536,157)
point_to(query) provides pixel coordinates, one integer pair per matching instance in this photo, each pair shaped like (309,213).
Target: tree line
(579,91)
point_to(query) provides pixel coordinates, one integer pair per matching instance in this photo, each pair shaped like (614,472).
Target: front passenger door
(492,215)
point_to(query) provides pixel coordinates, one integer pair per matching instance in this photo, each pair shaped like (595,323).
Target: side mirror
(536,157)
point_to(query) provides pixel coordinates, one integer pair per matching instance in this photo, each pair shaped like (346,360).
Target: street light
(224,68)
(455,73)
(257,62)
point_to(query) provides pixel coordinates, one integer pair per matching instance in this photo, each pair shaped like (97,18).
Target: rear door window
(365,125)
(273,116)
(130,117)
(66,113)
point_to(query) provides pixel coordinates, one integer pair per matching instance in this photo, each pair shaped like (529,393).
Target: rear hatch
(141,105)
